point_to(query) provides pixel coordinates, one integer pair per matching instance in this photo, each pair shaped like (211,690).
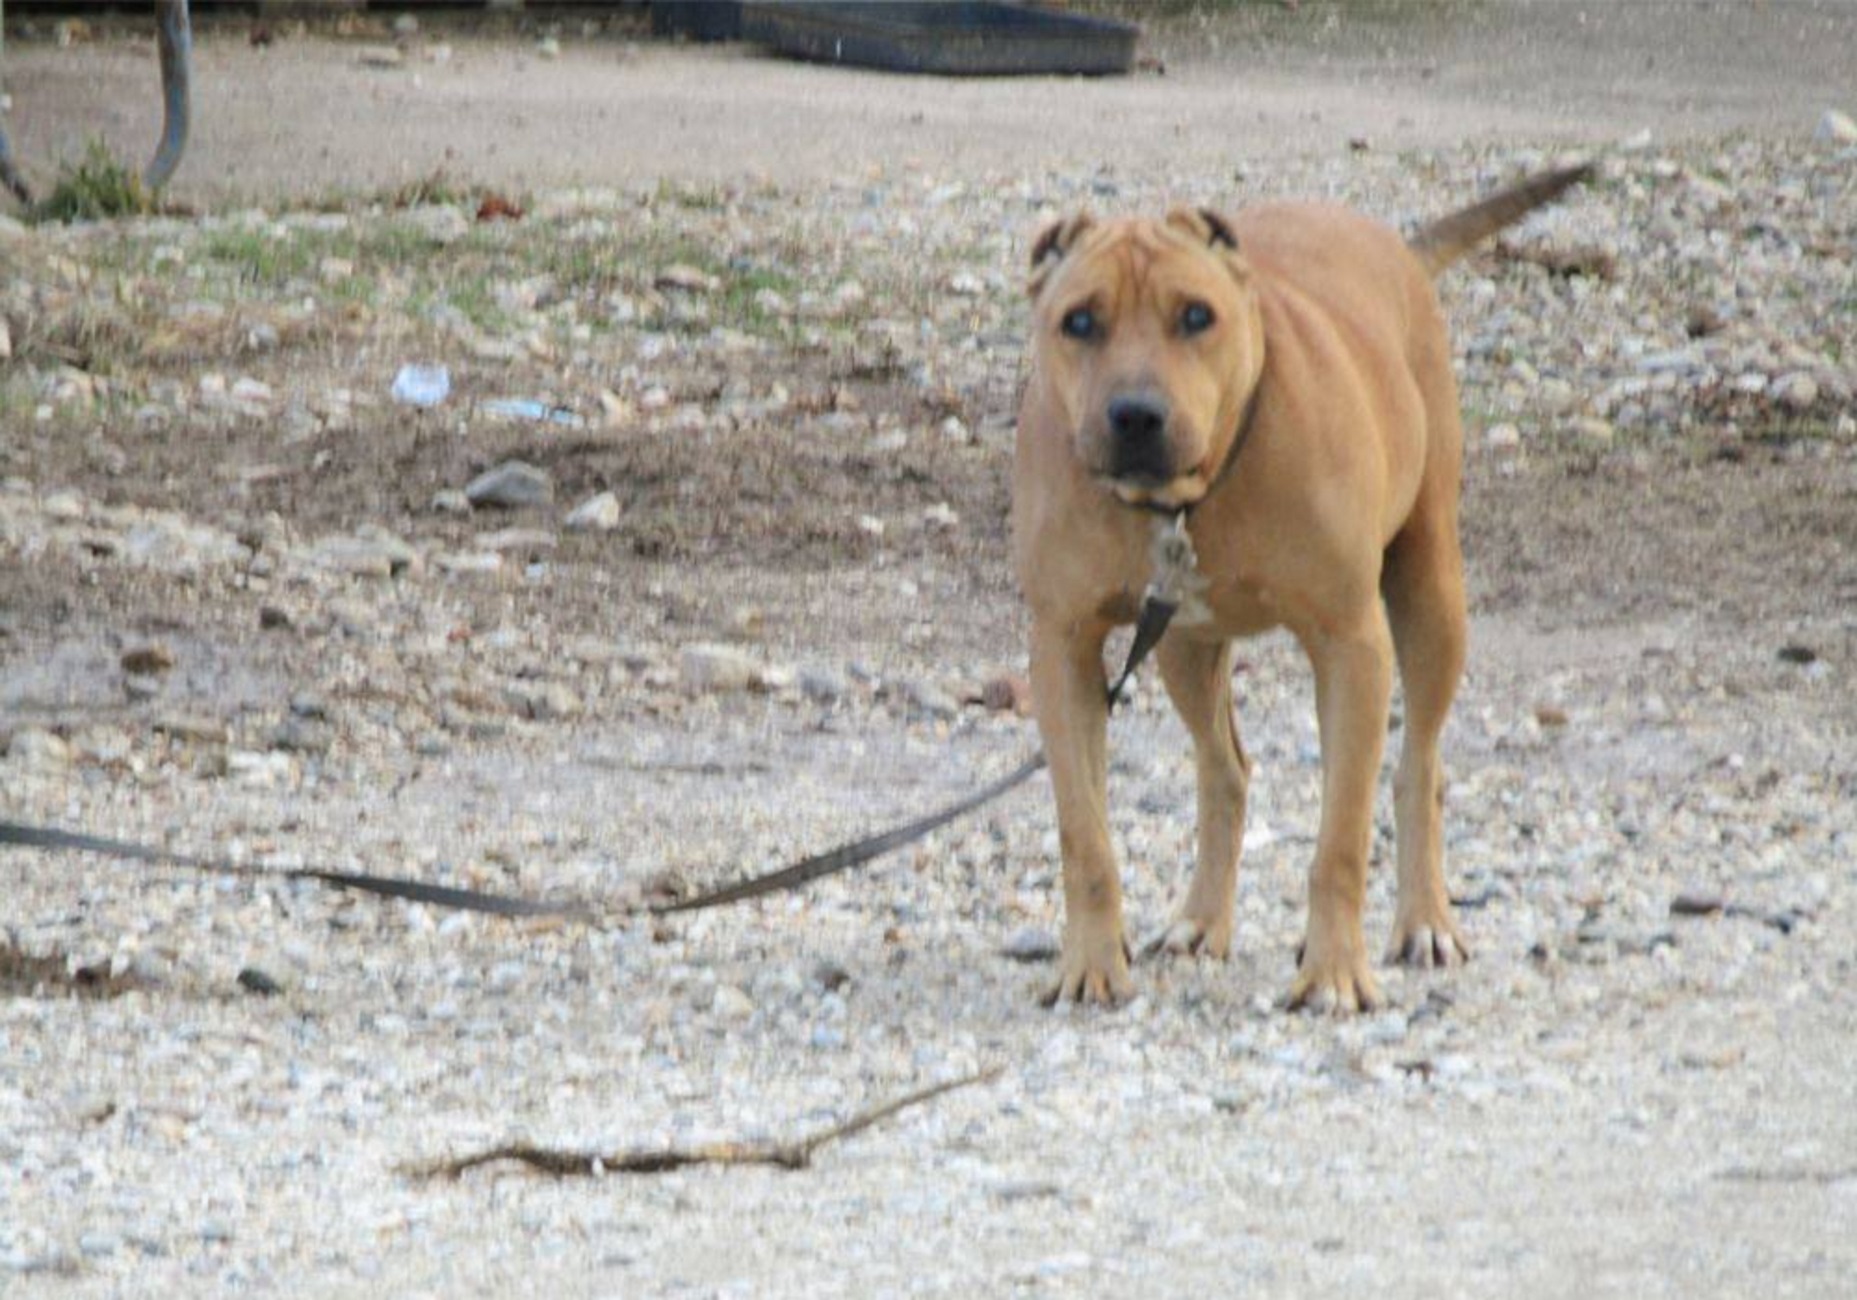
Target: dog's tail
(1445,240)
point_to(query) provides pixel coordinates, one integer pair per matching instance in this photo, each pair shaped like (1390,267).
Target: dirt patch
(53,974)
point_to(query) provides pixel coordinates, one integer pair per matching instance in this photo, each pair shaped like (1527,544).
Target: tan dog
(1286,376)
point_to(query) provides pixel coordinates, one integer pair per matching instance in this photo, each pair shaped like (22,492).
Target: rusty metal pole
(174,36)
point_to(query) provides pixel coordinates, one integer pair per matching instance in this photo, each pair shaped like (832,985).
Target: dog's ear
(1053,242)
(1205,225)
(1210,228)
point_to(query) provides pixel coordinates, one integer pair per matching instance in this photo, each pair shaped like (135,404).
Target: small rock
(451,502)
(929,699)
(941,515)
(1835,128)
(548,48)
(543,701)
(732,1004)
(38,750)
(1697,903)
(831,977)
(1794,653)
(512,484)
(517,539)
(98,1245)
(403,25)
(717,668)
(147,659)
(380,56)
(823,685)
(468,562)
(1796,391)
(684,278)
(6,340)
(253,980)
(598,513)
(301,736)
(1010,692)
(440,223)
(192,730)
(305,705)
(1502,437)
(377,555)
(260,771)
(1031,945)
(65,507)
(273,619)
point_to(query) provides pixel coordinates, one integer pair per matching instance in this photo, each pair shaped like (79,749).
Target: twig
(796,1154)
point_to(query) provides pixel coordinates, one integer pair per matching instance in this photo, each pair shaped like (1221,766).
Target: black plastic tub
(699,20)
(953,39)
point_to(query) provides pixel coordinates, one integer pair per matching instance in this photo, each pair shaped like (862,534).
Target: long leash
(1157,611)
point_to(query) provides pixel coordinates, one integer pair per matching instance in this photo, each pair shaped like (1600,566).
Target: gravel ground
(246,601)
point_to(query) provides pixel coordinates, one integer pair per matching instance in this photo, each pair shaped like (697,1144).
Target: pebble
(929,699)
(34,749)
(256,981)
(1008,694)
(65,507)
(1502,437)
(1031,944)
(717,668)
(302,736)
(1797,392)
(732,1004)
(147,658)
(450,501)
(511,485)
(544,701)
(598,513)
(1835,127)
(440,223)
(823,685)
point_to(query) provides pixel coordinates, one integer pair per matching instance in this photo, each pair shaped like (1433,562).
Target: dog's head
(1148,332)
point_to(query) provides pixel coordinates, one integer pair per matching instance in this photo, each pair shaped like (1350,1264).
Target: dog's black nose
(1137,419)
(1140,450)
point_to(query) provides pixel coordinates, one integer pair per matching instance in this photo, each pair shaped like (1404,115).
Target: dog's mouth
(1153,493)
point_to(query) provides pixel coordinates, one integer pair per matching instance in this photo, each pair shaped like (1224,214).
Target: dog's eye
(1197,318)
(1079,323)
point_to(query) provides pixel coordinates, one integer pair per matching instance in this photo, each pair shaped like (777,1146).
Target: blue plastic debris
(417,385)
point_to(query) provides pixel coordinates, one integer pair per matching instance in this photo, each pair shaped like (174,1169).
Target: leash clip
(1177,580)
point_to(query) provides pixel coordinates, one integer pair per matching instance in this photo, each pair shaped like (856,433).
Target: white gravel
(1609,1100)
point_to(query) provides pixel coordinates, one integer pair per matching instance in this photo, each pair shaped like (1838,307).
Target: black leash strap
(1149,628)
(858,852)
(466,900)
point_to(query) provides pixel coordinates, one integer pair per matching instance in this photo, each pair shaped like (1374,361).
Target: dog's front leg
(1353,686)
(1068,694)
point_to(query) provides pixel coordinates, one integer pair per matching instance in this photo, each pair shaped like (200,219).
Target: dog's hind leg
(1199,681)
(1423,582)
(1353,665)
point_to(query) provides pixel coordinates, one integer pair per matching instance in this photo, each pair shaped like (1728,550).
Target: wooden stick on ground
(796,1154)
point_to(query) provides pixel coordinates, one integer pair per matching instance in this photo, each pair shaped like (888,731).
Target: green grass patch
(94,188)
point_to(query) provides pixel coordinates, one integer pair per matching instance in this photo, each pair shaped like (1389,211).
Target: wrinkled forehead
(1134,260)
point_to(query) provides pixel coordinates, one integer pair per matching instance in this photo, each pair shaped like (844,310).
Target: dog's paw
(1427,942)
(1092,968)
(1332,975)
(1191,935)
